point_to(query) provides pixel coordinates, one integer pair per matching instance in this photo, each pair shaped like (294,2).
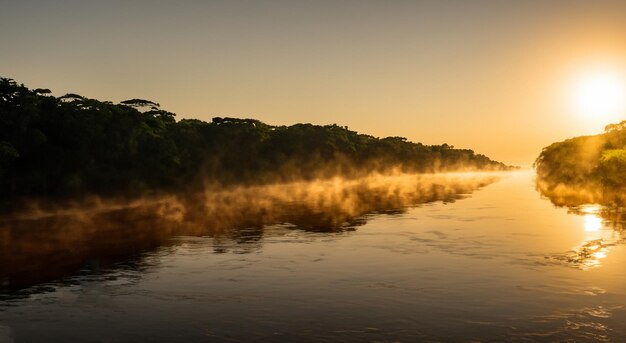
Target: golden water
(478,261)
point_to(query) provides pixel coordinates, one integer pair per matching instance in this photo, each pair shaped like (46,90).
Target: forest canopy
(591,167)
(72,145)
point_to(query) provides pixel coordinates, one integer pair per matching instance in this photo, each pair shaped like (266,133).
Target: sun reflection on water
(595,246)
(596,243)
(603,229)
(592,223)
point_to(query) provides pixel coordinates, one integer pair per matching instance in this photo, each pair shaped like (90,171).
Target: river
(482,259)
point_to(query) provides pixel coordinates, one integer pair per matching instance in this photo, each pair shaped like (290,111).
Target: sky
(498,77)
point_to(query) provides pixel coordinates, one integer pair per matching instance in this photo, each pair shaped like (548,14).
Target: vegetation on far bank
(71,145)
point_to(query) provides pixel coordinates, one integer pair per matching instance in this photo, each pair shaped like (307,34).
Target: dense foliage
(72,145)
(590,161)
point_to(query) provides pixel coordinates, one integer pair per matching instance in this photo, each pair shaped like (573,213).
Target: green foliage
(613,155)
(596,161)
(72,145)
(612,167)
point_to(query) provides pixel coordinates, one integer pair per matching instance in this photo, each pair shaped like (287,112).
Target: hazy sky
(493,76)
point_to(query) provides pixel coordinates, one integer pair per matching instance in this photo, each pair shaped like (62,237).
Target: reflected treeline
(51,241)
(612,203)
(604,212)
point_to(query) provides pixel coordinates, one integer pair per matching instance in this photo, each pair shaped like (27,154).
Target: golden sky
(494,76)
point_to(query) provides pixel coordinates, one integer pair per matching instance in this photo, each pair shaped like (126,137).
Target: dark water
(457,258)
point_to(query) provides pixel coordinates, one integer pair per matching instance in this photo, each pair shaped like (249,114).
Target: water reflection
(47,243)
(603,212)
(592,223)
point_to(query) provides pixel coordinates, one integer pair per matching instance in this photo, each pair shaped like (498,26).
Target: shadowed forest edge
(72,146)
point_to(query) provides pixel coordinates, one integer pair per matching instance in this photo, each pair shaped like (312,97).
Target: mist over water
(457,257)
(47,241)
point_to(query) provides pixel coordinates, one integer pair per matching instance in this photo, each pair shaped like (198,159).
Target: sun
(600,95)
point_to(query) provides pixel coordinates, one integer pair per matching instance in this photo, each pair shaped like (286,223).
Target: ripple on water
(588,324)
(587,255)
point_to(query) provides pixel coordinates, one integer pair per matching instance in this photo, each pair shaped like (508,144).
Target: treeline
(72,145)
(597,161)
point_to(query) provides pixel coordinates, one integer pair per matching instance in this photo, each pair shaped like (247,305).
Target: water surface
(472,259)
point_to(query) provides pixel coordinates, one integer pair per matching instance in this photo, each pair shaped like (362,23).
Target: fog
(49,240)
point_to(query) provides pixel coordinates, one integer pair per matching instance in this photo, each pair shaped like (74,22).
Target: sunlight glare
(592,223)
(600,95)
